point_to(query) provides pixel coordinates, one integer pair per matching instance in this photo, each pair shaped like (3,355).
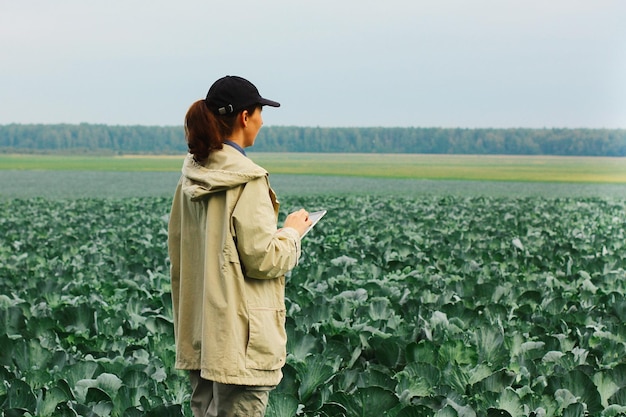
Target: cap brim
(266,102)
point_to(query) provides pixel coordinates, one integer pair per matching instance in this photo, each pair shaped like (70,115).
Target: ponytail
(205,131)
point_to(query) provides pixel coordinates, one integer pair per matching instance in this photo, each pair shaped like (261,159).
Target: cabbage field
(413,306)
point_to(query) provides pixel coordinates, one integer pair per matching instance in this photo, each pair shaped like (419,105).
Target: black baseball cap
(231,94)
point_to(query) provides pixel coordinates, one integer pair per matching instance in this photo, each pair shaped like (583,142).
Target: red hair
(205,132)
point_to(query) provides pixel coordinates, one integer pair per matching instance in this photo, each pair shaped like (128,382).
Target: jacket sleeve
(264,251)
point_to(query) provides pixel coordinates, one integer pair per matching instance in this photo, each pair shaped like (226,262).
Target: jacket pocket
(230,252)
(267,343)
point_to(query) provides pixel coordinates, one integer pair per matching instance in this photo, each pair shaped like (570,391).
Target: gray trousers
(212,399)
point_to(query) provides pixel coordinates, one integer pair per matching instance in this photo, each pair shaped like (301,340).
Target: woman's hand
(298,220)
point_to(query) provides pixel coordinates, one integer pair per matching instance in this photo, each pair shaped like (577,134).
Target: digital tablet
(314,217)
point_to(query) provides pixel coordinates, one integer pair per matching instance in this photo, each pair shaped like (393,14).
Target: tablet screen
(315,217)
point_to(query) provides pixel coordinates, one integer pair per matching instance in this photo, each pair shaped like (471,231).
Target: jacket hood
(224,169)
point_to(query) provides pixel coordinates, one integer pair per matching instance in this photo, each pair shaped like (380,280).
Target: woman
(228,258)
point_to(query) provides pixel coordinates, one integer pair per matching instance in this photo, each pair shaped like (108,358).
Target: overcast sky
(435,63)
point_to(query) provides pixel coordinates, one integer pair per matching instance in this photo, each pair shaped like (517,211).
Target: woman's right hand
(298,220)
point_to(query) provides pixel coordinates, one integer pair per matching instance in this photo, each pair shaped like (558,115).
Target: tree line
(96,138)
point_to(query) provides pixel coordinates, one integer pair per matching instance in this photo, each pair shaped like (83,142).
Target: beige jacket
(228,262)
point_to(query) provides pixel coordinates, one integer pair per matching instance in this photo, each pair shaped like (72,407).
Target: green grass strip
(409,166)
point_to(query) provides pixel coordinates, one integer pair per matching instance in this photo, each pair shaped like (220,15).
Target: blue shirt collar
(234,145)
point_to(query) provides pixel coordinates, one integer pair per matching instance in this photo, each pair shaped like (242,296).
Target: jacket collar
(224,169)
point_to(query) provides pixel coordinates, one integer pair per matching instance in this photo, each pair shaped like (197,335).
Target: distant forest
(108,139)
